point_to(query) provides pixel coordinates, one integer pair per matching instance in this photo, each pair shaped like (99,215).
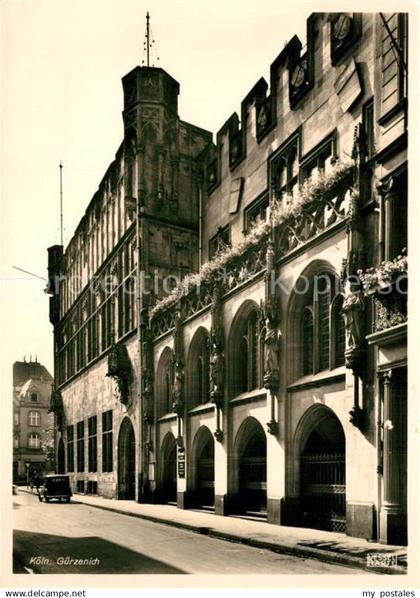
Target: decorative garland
(386,274)
(311,192)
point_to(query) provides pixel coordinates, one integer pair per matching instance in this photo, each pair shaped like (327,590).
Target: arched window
(164,383)
(203,378)
(34,418)
(34,397)
(338,332)
(248,354)
(322,326)
(322,297)
(168,391)
(198,365)
(34,440)
(308,341)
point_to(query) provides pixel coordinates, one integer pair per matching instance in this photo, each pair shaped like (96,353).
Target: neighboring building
(33,430)
(274,382)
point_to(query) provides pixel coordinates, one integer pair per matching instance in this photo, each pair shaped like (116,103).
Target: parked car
(55,486)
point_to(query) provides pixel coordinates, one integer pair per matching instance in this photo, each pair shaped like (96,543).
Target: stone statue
(217,367)
(353,310)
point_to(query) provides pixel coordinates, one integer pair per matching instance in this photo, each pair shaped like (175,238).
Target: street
(76,538)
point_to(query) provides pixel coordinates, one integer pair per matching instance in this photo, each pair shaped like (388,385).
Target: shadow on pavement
(41,554)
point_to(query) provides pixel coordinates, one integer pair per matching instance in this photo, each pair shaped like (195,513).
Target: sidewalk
(325,546)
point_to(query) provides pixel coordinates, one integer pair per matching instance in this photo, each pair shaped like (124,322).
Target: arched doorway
(323,472)
(61,463)
(251,454)
(203,455)
(168,487)
(126,461)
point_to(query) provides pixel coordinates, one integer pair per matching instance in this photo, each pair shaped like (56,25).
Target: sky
(61,63)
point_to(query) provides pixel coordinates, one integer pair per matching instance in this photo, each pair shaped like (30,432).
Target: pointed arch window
(164,383)
(203,376)
(322,296)
(322,326)
(198,370)
(167,391)
(338,332)
(308,340)
(248,354)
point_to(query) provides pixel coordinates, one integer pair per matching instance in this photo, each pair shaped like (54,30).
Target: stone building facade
(259,364)
(33,425)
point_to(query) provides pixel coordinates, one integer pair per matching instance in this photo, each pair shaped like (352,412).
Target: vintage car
(55,486)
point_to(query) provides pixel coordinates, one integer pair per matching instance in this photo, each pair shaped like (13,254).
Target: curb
(301,551)
(296,550)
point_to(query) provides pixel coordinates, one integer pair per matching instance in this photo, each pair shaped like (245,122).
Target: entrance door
(126,461)
(61,464)
(322,477)
(168,480)
(204,491)
(253,470)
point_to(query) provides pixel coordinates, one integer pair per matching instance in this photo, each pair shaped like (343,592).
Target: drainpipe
(379,467)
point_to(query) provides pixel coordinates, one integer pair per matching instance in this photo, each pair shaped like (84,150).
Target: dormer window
(34,397)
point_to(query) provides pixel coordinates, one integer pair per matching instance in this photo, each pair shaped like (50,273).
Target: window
(80,430)
(338,332)
(106,323)
(257,212)
(219,241)
(16,418)
(34,441)
(308,340)
(285,169)
(248,354)
(16,442)
(164,382)
(394,56)
(321,158)
(34,397)
(322,297)
(394,214)
(369,128)
(70,448)
(322,326)
(203,374)
(92,444)
(107,461)
(167,391)
(34,418)
(92,487)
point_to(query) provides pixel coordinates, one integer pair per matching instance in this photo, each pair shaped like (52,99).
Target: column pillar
(392,519)
(388,239)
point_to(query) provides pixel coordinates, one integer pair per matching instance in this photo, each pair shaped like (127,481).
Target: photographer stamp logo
(381,559)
